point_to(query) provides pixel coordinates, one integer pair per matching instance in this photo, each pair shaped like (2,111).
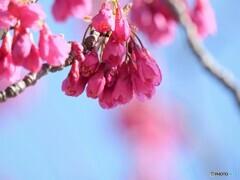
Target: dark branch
(204,57)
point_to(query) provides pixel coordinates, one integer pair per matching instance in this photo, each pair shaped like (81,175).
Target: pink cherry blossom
(104,21)
(111,76)
(29,15)
(4,5)
(147,67)
(21,46)
(6,20)
(33,62)
(123,92)
(96,84)
(77,50)
(8,71)
(74,84)
(204,18)
(156,20)
(122,30)
(53,48)
(155,137)
(143,90)
(63,9)
(106,100)
(90,63)
(113,72)
(113,53)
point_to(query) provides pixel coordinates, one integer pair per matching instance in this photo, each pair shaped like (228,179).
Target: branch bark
(205,58)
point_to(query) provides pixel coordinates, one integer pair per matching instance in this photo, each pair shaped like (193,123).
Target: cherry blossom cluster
(117,67)
(159,22)
(20,51)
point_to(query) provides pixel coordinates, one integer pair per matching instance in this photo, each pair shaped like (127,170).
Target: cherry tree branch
(32,78)
(205,58)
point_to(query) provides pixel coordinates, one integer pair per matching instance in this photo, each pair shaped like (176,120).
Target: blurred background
(188,130)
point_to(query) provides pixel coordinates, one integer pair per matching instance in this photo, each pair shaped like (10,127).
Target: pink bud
(8,71)
(77,50)
(122,30)
(123,92)
(90,64)
(113,53)
(21,46)
(53,48)
(104,21)
(111,77)
(147,67)
(96,84)
(143,90)
(105,100)
(33,62)
(74,84)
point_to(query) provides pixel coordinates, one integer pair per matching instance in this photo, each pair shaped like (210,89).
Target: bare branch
(204,57)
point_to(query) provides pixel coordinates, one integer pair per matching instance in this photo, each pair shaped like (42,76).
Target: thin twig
(32,78)
(204,57)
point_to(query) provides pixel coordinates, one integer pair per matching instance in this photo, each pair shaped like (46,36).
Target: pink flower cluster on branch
(158,21)
(20,51)
(117,67)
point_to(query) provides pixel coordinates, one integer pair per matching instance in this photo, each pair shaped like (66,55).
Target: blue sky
(55,137)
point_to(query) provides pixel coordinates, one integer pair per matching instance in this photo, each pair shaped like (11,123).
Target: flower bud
(104,21)
(90,63)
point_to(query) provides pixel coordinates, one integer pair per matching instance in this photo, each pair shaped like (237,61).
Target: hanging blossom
(157,20)
(21,51)
(62,9)
(117,67)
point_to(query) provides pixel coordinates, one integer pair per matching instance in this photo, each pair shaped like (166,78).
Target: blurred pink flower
(62,9)
(155,19)
(29,14)
(158,21)
(204,18)
(153,133)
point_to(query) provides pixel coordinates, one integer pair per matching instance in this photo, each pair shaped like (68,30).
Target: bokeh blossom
(158,22)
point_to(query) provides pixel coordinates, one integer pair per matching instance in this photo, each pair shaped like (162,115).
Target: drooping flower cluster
(116,67)
(21,51)
(159,23)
